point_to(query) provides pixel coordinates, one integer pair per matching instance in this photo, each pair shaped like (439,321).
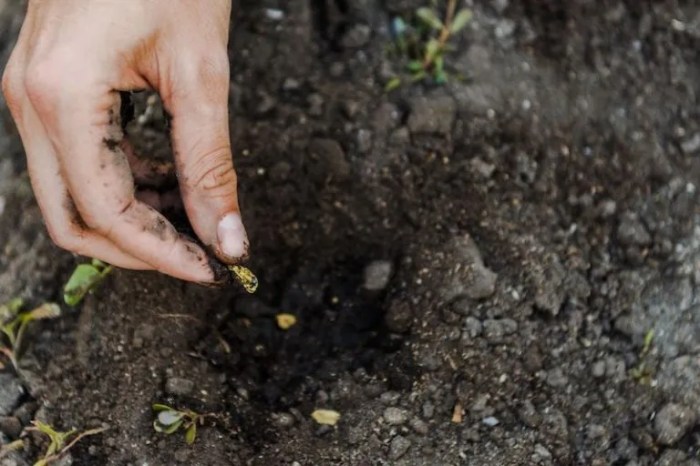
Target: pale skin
(62,86)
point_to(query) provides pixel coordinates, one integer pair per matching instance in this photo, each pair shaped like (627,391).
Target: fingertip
(232,237)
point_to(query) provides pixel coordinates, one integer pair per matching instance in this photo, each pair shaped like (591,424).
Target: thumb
(198,103)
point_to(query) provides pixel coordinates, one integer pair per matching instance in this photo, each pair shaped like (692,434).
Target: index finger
(100,182)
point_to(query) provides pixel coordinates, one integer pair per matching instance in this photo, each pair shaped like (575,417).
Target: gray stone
(598,369)
(377,275)
(284,420)
(10,393)
(466,274)
(364,140)
(395,416)
(316,103)
(179,386)
(672,422)
(10,426)
(692,144)
(490,421)
(549,280)
(357,36)
(631,231)
(556,378)
(432,115)
(672,457)
(496,329)
(419,426)
(398,447)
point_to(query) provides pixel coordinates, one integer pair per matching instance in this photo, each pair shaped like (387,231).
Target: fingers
(98,176)
(62,219)
(198,103)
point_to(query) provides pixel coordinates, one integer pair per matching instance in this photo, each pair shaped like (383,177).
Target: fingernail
(233,240)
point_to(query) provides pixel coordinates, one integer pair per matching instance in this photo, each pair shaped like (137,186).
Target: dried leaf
(45,311)
(326,417)
(286,321)
(457,413)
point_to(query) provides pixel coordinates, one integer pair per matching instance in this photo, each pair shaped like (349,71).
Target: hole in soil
(340,328)
(331,21)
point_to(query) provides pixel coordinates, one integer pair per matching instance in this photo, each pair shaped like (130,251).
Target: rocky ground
(475,268)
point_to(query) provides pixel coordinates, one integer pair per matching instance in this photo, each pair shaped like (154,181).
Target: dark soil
(474,267)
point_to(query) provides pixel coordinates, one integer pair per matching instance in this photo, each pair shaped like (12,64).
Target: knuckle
(213,173)
(11,84)
(208,73)
(65,237)
(46,81)
(39,85)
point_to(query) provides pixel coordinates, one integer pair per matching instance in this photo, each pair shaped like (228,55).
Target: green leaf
(414,66)
(10,310)
(419,76)
(191,433)
(41,462)
(461,20)
(167,429)
(170,417)
(432,49)
(440,77)
(429,17)
(84,278)
(439,64)
(648,340)
(157,407)
(393,83)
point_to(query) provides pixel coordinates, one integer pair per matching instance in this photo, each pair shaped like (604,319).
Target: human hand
(62,86)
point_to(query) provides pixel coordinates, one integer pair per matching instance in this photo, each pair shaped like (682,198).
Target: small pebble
(395,416)
(419,426)
(490,421)
(179,386)
(398,447)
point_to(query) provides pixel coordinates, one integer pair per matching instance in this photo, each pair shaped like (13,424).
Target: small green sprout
(59,443)
(642,373)
(84,279)
(424,44)
(14,323)
(169,420)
